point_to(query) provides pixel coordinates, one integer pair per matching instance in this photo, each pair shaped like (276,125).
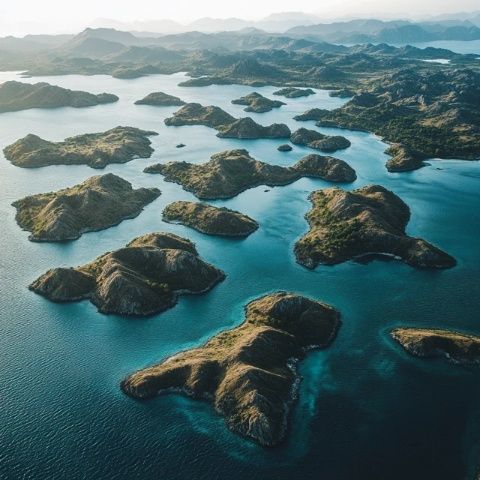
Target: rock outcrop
(231,172)
(371,220)
(293,92)
(319,141)
(247,373)
(15,96)
(209,219)
(98,203)
(143,278)
(160,99)
(97,150)
(284,148)
(434,343)
(257,103)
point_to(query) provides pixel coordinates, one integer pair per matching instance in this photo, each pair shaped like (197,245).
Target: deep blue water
(366,409)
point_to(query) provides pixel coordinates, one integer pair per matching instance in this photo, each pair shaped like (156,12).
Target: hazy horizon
(54,16)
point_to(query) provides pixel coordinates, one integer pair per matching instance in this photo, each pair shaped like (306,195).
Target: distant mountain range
(398,31)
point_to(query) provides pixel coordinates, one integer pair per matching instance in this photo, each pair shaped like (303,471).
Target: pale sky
(55,16)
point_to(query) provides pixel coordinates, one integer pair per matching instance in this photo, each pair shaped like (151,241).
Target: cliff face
(345,225)
(430,343)
(247,372)
(97,150)
(143,278)
(16,96)
(231,172)
(210,220)
(98,203)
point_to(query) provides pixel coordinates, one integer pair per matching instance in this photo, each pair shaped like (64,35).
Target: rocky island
(196,114)
(294,92)
(231,172)
(434,343)
(257,103)
(247,373)
(160,99)
(143,278)
(98,203)
(209,219)
(319,141)
(97,150)
(247,128)
(370,220)
(285,147)
(15,96)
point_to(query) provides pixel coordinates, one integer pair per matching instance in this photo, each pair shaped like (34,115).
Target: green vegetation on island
(247,373)
(319,141)
(143,278)
(231,172)
(160,99)
(209,219)
(15,96)
(367,221)
(435,343)
(96,204)
(97,150)
(257,103)
(227,125)
(293,92)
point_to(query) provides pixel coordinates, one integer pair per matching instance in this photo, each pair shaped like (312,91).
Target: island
(455,347)
(314,114)
(231,172)
(97,150)
(404,159)
(257,103)
(248,373)
(319,141)
(294,92)
(196,114)
(15,96)
(160,99)
(285,147)
(209,219)
(143,278)
(96,204)
(364,222)
(247,128)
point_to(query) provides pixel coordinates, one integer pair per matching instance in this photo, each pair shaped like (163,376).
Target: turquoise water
(366,409)
(459,46)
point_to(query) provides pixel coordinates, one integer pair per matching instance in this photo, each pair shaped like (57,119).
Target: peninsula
(231,172)
(143,278)
(97,150)
(98,203)
(367,221)
(248,373)
(209,219)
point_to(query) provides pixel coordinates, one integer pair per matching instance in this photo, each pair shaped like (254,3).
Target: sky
(57,16)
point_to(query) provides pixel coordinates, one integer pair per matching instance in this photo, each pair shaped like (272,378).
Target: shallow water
(366,410)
